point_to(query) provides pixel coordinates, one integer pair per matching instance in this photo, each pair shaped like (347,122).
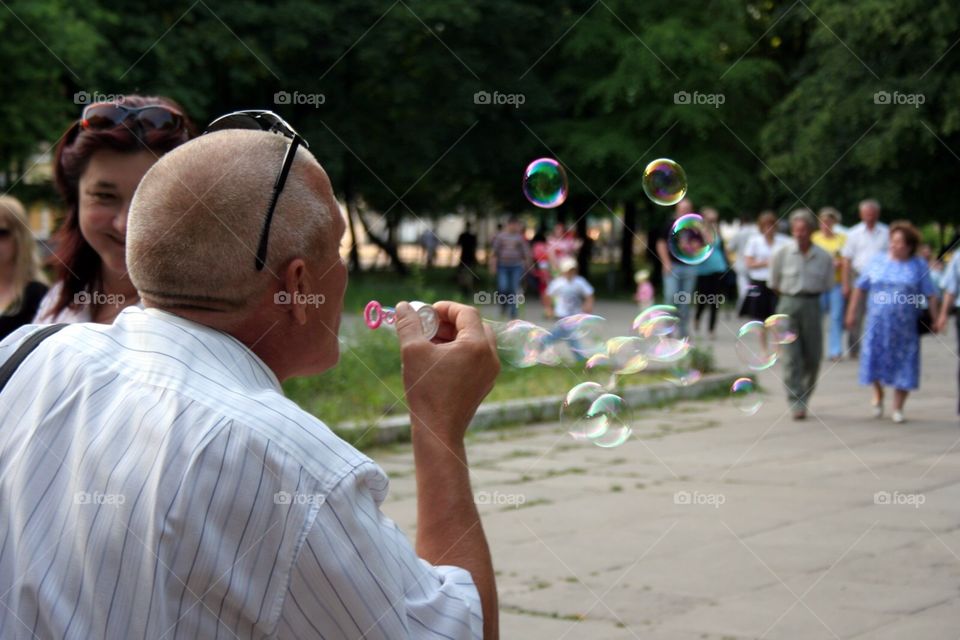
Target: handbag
(924,322)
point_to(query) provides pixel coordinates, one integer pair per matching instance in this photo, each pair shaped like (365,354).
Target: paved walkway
(709,524)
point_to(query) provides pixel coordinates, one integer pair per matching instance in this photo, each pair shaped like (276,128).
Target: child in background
(570,293)
(645,293)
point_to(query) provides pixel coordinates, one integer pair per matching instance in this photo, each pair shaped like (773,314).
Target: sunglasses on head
(109,115)
(264,121)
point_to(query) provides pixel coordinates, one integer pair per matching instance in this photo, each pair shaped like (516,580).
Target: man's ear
(295,289)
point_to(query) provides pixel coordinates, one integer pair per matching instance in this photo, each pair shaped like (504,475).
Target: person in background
(679,278)
(800,272)
(832,301)
(509,258)
(761,301)
(748,229)
(467,266)
(570,293)
(561,243)
(21,282)
(645,293)
(709,276)
(429,241)
(897,283)
(97,168)
(865,240)
(540,273)
(951,302)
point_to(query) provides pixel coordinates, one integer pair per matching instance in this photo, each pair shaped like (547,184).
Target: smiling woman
(99,163)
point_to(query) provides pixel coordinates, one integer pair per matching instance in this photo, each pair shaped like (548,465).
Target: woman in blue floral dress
(897,284)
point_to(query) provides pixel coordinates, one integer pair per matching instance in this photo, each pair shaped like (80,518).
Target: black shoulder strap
(33,340)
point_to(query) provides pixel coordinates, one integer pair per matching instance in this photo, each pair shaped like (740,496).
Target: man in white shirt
(154,481)
(951,300)
(864,240)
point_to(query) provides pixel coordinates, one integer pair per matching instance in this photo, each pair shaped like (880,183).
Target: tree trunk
(354,252)
(388,247)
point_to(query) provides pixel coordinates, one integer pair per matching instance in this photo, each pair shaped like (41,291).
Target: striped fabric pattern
(155,483)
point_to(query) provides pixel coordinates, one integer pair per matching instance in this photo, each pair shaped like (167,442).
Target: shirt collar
(206,333)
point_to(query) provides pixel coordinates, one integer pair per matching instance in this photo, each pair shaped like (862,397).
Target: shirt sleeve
(849,246)
(926,285)
(775,268)
(951,279)
(554,285)
(585,287)
(358,576)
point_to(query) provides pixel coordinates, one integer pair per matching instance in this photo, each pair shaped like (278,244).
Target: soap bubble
(658,320)
(692,239)
(627,354)
(665,182)
(520,343)
(779,328)
(745,396)
(545,183)
(754,348)
(590,413)
(683,377)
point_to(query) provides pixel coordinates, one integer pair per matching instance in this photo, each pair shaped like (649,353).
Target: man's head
(802,224)
(684,207)
(869,211)
(192,237)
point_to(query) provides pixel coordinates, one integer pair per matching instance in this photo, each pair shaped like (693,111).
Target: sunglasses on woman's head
(108,115)
(258,120)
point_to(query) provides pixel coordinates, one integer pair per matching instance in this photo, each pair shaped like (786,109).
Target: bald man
(154,481)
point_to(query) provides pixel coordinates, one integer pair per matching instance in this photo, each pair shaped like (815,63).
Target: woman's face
(899,249)
(106,189)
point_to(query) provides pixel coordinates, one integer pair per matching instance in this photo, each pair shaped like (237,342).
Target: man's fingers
(464,318)
(409,328)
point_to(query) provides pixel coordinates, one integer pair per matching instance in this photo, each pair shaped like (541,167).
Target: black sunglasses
(264,121)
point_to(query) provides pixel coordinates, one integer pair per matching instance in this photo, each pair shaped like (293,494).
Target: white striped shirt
(155,483)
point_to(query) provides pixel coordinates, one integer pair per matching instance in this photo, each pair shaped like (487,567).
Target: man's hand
(446,379)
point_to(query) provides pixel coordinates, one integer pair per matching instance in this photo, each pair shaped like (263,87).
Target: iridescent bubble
(745,396)
(520,343)
(627,354)
(581,333)
(669,350)
(589,413)
(665,182)
(779,328)
(545,183)
(658,320)
(597,360)
(753,347)
(692,239)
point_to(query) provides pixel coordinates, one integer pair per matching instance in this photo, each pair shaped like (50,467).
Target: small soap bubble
(780,329)
(545,183)
(683,377)
(657,320)
(520,343)
(692,239)
(745,396)
(582,334)
(590,413)
(665,182)
(627,354)
(668,349)
(754,348)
